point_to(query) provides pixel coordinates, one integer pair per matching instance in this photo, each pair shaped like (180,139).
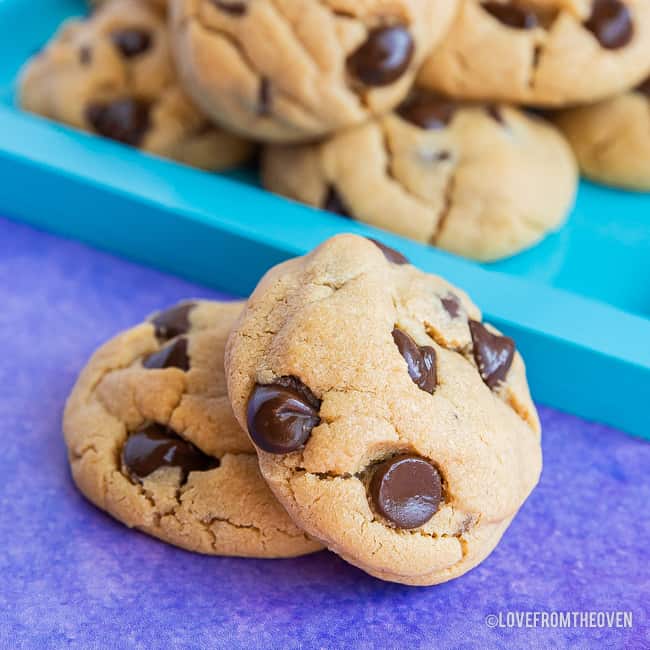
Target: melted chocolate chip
(173,322)
(611,23)
(125,120)
(420,361)
(390,253)
(282,415)
(264,98)
(149,449)
(384,57)
(232,8)
(451,305)
(511,15)
(173,355)
(406,490)
(644,87)
(85,55)
(428,111)
(334,203)
(493,353)
(131,42)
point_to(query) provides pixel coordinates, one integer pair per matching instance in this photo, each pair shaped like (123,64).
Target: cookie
(542,52)
(295,70)
(160,4)
(152,440)
(113,75)
(611,139)
(391,422)
(483,181)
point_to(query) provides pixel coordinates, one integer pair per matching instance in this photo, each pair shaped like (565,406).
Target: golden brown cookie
(113,75)
(295,70)
(542,52)
(479,180)
(391,422)
(152,440)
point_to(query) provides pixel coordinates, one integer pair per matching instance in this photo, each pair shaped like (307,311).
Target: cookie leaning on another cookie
(542,52)
(296,70)
(482,181)
(611,139)
(113,75)
(152,440)
(390,421)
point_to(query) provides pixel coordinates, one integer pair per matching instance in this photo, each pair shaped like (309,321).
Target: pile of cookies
(353,402)
(410,115)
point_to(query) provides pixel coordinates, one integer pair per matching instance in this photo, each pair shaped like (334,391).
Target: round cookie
(113,75)
(390,421)
(611,139)
(482,181)
(152,440)
(542,52)
(296,70)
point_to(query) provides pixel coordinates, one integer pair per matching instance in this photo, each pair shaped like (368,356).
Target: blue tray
(578,304)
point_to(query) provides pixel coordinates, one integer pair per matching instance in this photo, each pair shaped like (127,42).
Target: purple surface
(70,576)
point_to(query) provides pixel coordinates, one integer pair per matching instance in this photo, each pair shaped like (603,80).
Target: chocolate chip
(281,415)
(233,8)
(428,111)
(173,322)
(125,120)
(451,304)
(511,15)
(131,42)
(406,490)
(173,355)
(644,87)
(156,446)
(420,361)
(85,55)
(334,203)
(390,253)
(611,23)
(264,98)
(384,57)
(493,353)
(495,113)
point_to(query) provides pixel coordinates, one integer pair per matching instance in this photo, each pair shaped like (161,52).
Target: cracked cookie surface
(392,423)
(611,139)
(113,75)
(482,181)
(295,70)
(542,52)
(153,441)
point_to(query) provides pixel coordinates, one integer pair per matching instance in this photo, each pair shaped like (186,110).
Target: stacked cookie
(353,402)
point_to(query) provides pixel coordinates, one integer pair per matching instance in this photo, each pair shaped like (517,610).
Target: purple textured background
(70,576)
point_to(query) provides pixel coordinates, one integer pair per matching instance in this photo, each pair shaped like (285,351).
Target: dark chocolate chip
(611,23)
(334,203)
(406,490)
(131,42)
(85,55)
(428,111)
(644,87)
(282,415)
(420,361)
(157,446)
(264,98)
(511,15)
(233,8)
(125,120)
(496,114)
(493,353)
(173,322)
(173,355)
(451,304)
(390,253)
(384,57)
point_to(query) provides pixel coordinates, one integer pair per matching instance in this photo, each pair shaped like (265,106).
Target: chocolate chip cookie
(296,70)
(391,422)
(483,181)
(113,75)
(611,139)
(152,440)
(542,52)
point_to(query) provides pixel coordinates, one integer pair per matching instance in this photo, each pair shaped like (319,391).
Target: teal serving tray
(578,304)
